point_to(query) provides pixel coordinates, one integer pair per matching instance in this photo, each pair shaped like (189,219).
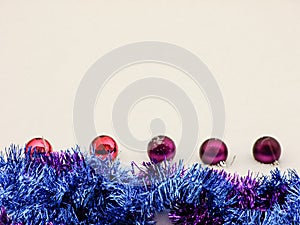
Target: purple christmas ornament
(266,150)
(213,151)
(161,148)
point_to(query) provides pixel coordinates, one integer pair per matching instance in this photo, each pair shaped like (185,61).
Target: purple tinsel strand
(188,214)
(62,161)
(197,196)
(244,191)
(5,220)
(257,193)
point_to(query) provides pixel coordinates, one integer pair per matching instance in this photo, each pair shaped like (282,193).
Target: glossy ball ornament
(213,151)
(104,146)
(161,148)
(39,146)
(266,150)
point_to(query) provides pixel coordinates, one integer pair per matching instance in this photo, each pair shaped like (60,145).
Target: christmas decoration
(67,187)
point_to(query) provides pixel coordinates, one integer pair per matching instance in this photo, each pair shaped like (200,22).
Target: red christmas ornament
(38,145)
(103,146)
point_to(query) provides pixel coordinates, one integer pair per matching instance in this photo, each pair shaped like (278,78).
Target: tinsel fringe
(67,188)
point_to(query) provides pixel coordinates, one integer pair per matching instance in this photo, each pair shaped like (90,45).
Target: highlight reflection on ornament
(104,146)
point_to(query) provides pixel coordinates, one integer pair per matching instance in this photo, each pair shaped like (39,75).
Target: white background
(251,47)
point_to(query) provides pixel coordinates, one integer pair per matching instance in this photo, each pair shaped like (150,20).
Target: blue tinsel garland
(66,188)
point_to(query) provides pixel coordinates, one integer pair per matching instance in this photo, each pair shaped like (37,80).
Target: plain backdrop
(252,49)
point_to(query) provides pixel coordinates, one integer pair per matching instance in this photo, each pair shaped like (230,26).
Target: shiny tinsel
(4,219)
(67,187)
(200,214)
